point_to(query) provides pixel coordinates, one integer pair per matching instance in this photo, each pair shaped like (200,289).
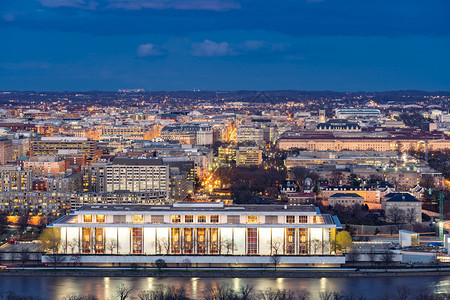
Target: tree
(410,216)
(387,258)
(316,245)
(160,264)
(72,245)
(56,259)
(396,215)
(372,255)
(275,260)
(277,245)
(344,239)
(227,245)
(24,256)
(76,258)
(111,245)
(123,292)
(187,263)
(353,255)
(50,240)
(22,222)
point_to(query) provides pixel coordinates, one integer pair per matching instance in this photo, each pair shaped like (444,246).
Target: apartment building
(248,156)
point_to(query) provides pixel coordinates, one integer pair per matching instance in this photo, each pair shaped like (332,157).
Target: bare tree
(403,293)
(410,216)
(275,260)
(227,245)
(56,259)
(24,256)
(353,255)
(303,294)
(274,294)
(396,215)
(111,245)
(277,245)
(80,297)
(372,255)
(387,258)
(123,292)
(316,244)
(72,245)
(187,263)
(76,258)
(162,245)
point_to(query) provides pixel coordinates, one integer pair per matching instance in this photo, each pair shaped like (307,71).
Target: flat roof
(196,206)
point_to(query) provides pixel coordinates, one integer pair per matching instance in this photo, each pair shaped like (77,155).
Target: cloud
(216,5)
(8,17)
(69,3)
(209,48)
(148,50)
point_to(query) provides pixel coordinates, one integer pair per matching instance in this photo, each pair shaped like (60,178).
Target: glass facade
(252,241)
(137,240)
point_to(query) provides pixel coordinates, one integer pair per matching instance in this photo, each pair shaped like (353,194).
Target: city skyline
(224,45)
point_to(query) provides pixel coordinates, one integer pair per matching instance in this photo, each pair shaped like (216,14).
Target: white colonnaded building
(203,234)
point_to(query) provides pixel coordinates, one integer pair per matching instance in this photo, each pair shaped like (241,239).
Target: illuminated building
(248,156)
(46,165)
(14,178)
(204,233)
(6,151)
(52,145)
(127,174)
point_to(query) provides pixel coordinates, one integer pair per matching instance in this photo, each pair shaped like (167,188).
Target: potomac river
(105,287)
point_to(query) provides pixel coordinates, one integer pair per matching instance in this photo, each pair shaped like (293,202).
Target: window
(214,240)
(176,219)
(290,219)
(290,241)
(189,219)
(87,218)
(214,219)
(201,245)
(252,219)
(175,240)
(201,219)
(86,240)
(139,219)
(137,240)
(100,218)
(188,240)
(99,240)
(303,219)
(252,238)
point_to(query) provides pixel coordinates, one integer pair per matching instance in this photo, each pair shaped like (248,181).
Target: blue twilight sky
(343,45)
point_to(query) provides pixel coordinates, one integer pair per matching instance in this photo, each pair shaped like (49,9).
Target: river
(105,287)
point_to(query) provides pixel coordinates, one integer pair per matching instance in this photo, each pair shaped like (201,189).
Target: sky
(341,45)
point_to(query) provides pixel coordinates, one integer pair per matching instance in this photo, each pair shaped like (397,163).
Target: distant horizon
(235,90)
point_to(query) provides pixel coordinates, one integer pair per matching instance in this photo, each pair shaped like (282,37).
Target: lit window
(252,219)
(290,219)
(214,219)
(100,218)
(189,219)
(138,219)
(201,219)
(303,219)
(87,218)
(176,219)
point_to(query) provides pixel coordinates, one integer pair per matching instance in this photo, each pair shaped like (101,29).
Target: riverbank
(235,273)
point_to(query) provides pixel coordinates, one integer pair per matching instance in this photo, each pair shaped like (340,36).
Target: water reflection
(105,287)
